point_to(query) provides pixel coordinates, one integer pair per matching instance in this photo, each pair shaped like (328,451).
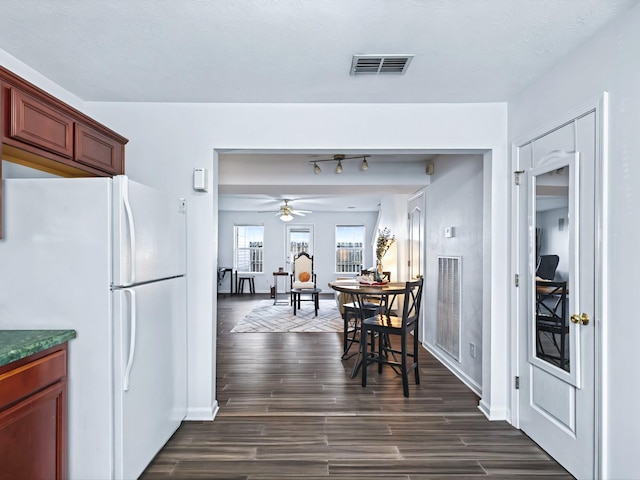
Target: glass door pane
(299,238)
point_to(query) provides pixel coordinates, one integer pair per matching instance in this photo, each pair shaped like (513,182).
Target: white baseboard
(453,368)
(484,408)
(203,413)
(492,414)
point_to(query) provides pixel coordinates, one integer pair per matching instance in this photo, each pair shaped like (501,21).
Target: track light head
(339,167)
(316,168)
(365,165)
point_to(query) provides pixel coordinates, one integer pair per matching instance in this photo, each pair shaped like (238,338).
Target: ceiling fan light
(365,165)
(339,167)
(316,168)
(286,217)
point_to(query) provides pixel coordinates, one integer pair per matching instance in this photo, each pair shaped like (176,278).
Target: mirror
(415,243)
(551,254)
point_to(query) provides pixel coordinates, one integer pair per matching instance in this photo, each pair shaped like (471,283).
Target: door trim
(599,105)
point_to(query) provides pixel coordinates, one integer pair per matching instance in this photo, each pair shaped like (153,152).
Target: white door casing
(559,407)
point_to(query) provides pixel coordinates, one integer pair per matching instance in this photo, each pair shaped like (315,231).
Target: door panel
(553,398)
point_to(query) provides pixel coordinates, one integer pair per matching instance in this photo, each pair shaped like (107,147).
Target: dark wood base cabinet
(33,416)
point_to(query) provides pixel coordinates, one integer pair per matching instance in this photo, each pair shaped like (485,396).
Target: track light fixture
(339,158)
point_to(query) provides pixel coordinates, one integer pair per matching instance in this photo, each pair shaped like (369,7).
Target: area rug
(267,317)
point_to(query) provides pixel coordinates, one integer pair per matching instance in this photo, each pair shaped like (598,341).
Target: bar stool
(249,279)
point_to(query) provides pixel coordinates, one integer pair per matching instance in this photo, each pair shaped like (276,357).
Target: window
(249,248)
(349,248)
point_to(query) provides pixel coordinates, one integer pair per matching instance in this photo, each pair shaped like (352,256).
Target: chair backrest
(547,265)
(411,304)
(302,264)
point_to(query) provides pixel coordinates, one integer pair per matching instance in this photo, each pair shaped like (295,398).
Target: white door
(556,251)
(416,250)
(150,371)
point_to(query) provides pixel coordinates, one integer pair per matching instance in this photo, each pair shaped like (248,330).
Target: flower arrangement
(384,242)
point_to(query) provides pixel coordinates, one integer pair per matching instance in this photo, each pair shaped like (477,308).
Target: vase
(378,272)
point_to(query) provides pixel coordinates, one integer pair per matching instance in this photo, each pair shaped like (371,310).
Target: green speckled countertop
(17,344)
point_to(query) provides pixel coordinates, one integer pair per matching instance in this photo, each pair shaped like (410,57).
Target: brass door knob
(582,319)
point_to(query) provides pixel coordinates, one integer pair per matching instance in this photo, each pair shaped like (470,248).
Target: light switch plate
(200,180)
(448,232)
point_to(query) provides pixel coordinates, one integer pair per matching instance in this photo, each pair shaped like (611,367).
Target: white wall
(167,141)
(393,215)
(455,199)
(609,62)
(274,243)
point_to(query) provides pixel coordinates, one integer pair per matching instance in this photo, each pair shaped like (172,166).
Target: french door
(298,238)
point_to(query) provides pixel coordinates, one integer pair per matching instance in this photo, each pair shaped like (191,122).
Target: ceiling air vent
(376,64)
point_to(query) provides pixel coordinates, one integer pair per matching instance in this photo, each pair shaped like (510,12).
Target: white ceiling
(296,50)
(276,176)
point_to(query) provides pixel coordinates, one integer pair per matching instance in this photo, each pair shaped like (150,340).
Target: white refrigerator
(105,257)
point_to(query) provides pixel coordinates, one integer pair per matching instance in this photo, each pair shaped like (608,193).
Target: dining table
(362,292)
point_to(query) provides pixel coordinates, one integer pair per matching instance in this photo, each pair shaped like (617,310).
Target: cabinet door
(37,123)
(98,150)
(32,436)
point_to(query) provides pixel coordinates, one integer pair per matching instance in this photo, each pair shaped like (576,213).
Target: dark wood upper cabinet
(40,124)
(42,132)
(95,149)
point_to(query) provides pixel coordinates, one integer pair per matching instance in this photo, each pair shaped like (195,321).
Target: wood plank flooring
(289,410)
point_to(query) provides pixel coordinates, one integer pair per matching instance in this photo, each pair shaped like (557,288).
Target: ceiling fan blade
(269,211)
(297,212)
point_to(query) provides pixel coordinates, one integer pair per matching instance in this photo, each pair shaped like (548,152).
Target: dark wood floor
(288,409)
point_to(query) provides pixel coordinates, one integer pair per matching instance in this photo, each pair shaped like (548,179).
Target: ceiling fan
(286,212)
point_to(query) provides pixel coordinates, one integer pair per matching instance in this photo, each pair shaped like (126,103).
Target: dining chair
(384,325)
(302,275)
(352,316)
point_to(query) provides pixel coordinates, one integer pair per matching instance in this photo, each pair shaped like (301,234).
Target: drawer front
(36,123)
(97,150)
(31,377)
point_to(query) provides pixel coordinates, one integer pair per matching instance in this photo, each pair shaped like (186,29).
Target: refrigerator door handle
(132,233)
(132,337)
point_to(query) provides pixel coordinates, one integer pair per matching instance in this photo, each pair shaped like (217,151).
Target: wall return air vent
(380,64)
